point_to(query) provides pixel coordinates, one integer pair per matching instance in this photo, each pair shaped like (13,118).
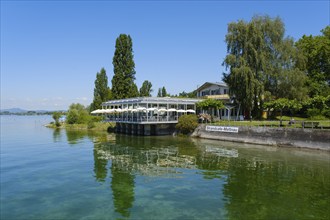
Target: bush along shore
(78,118)
(96,126)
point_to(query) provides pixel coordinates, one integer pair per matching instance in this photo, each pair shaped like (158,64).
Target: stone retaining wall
(288,137)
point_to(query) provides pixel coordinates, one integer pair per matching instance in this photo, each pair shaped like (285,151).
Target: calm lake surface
(59,174)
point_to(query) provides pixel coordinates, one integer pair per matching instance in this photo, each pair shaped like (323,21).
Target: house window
(224,91)
(207,92)
(215,92)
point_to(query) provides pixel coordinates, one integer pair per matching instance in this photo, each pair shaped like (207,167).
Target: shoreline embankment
(316,139)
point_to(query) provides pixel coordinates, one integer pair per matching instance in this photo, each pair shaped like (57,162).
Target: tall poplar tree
(123,85)
(102,91)
(145,90)
(159,94)
(164,92)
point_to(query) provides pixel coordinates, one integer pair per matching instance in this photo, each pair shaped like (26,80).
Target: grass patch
(96,126)
(325,124)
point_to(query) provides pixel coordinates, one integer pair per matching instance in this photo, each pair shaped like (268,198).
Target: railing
(223,96)
(142,119)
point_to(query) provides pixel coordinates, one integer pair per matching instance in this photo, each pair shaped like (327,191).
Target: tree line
(264,70)
(123,85)
(265,67)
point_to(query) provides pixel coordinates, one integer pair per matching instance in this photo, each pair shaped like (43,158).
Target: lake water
(59,174)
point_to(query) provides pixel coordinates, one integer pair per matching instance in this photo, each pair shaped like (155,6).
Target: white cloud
(82,99)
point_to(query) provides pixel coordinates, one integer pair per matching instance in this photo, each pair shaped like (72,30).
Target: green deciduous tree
(210,103)
(261,60)
(184,94)
(283,104)
(292,85)
(56,117)
(162,92)
(102,91)
(316,106)
(145,90)
(123,85)
(77,114)
(316,55)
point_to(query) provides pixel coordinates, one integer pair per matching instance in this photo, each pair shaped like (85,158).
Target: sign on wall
(222,129)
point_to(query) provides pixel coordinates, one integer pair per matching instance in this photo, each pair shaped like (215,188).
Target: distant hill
(23,111)
(14,110)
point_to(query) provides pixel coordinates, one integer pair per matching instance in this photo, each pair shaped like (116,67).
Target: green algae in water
(58,174)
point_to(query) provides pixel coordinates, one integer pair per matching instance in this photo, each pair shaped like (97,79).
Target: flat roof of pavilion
(152,100)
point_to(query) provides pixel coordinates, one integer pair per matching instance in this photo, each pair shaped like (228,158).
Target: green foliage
(283,104)
(261,60)
(123,85)
(56,117)
(145,90)
(210,103)
(184,94)
(77,114)
(316,61)
(317,106)
(102,91)
(134,92)
(326,113)
(313,112)
(187,123)
(319,102)
(159,94)
(72,116)
(162,92)
(292,85)
(91,124)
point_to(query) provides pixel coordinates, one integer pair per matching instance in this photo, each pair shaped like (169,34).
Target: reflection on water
(258,184)
(63,174)
(122,185)
(57,135)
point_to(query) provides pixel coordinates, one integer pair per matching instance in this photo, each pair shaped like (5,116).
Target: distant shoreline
(26,113)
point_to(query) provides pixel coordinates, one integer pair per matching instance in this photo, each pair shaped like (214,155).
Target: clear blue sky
(52,50)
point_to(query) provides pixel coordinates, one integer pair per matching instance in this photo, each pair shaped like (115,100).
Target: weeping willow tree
(258,59)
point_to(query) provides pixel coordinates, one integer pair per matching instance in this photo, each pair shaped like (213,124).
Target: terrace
(147,110)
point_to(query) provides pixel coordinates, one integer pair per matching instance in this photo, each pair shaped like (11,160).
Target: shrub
(313,112)
(91,124)
(95,118)
(83,117)
(72,116)
(187,124)
(56,117)
(326,113)
(77,114)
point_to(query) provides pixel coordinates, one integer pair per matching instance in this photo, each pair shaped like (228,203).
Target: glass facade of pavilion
(148,110)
